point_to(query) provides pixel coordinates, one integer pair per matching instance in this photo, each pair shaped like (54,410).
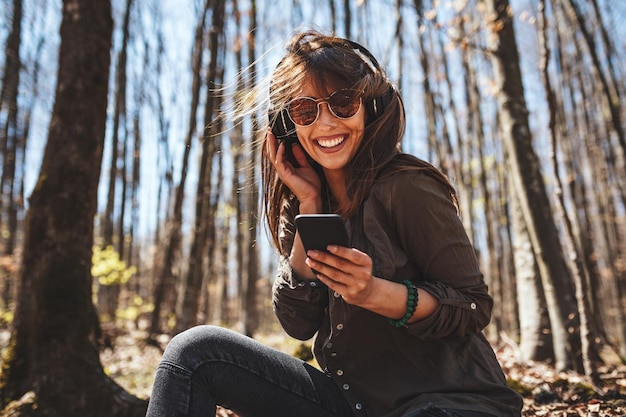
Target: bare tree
(535,341)
(108,294)
(188,301)
(11,134)
(251,323)
(575,263)
(529,184)
(11,139)
(165,284)
(238,149)
(347,19)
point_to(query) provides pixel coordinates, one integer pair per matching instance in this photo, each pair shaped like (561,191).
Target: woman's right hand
(303,180)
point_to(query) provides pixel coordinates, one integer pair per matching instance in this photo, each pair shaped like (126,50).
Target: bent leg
(208,366)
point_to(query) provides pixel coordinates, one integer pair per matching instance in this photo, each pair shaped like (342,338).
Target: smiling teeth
(331,142)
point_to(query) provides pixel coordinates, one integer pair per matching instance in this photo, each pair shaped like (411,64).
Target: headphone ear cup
(282,127)
(376,106)
(371,110)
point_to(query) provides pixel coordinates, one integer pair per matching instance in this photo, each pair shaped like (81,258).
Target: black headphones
(284,129)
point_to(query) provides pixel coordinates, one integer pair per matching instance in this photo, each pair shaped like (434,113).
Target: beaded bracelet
(411,305)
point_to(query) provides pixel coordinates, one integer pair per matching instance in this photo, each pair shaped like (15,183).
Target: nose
(326,116)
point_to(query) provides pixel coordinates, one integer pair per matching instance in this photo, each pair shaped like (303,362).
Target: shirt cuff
(294,280)
(298,282)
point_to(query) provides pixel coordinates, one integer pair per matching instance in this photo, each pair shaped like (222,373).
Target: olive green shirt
(411,229)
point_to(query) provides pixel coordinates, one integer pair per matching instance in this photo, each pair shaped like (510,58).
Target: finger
(325,270)
(271,145)
(335,262)
(299,155)
(322,257)
(277,156)
(353,255)
(336,287)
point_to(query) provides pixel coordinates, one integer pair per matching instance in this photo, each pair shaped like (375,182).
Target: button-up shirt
(410,228)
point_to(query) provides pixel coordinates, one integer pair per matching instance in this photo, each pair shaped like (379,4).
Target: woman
(398,315)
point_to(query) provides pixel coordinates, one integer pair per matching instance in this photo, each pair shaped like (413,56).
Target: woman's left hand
(347,271)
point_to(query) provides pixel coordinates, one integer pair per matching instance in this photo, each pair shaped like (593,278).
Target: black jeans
(207,366)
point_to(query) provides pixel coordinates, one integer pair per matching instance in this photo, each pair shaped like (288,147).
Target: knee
(194,344)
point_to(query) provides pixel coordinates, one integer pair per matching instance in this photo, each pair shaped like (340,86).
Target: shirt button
(339,326)
(346,387)
(329,345)
(333,354)
(358,406)
(313,284)
(473,306)
(336,294)
(340,372)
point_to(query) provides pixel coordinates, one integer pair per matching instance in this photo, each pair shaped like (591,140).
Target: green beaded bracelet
(411,305)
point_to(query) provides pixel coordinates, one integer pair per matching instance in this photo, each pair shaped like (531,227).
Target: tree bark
(535,342)
(52,363)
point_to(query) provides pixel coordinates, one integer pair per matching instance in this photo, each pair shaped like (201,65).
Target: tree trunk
(251,323)
(347,19)
(187,309)
(333,16)
(165,288)
(609,89)
(52,363)
(9,144)
(108,294)
(529,185)
(11,133)
(465,160)
(535,342)
(572,228)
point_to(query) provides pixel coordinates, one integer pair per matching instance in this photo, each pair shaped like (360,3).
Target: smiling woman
(397,313)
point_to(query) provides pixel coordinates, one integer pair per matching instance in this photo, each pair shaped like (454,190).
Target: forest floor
(546,392)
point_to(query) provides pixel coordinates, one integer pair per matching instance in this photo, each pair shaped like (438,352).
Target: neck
(336,181)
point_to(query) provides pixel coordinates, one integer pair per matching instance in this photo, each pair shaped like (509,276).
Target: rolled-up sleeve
(432,235)
(298,304)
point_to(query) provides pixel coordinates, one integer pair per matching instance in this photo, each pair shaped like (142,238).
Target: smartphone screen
(317,231)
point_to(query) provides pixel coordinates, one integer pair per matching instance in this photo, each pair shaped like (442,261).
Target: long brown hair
(335,62)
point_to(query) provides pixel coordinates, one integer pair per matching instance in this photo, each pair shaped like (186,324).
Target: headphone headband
(365,55)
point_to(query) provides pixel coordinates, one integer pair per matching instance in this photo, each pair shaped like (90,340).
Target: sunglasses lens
(345,103)
(303,111)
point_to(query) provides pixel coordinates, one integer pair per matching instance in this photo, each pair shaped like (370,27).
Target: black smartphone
(289,152)
(317,231)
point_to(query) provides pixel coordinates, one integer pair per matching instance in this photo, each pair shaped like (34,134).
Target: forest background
(129,193)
